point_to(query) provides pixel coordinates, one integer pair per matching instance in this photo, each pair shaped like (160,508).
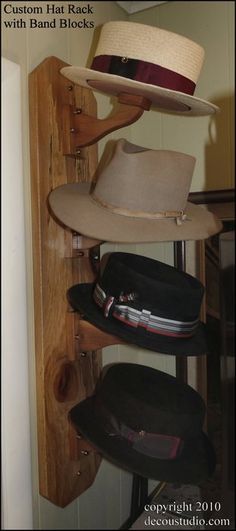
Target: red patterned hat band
(157,445)
(144,72)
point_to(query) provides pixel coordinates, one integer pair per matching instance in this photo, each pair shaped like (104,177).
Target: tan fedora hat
(140,196)
(149,61)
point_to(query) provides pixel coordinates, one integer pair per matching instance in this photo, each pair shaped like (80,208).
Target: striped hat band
(116,307)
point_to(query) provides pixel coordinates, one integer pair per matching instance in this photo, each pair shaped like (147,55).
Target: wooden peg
(79,447)
(91,338)
(81,129)
(84,447)
(76,244)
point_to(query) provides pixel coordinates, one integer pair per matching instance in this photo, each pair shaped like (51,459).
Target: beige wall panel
(29,46)
(209,139)
(104,505)
(148,16)
(53,517)
(14,45)
(45,42)
(102,497)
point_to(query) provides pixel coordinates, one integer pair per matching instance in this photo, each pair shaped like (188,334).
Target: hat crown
(147,61)
(144,181)
(153,45)
(147,422)
(147,399)
(157,287)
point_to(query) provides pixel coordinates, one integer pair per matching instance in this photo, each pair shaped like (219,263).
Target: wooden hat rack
(64,129)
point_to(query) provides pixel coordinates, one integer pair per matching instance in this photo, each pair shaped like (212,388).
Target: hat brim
(73,205)
(195,463)
(166,99)
(81,299)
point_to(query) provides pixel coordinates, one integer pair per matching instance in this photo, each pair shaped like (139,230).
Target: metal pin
(84,452)
(78,152)
(78,253)
(70,87)
(78,473)
(77,110)
(72,130)
(83,354)
(78,437)
(77,337)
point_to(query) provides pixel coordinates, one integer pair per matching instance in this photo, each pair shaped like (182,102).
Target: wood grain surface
(61,259)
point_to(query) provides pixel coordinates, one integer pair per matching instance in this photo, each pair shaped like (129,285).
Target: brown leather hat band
(177,214)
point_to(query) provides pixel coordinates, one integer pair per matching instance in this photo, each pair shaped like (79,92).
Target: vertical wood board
(63,376)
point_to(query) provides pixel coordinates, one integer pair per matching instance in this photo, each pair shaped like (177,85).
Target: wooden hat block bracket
(86,129)
(68,356)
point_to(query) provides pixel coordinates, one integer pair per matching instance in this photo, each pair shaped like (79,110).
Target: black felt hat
(147,422)
(146,303)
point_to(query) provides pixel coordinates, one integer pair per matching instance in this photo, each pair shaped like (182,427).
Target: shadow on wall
(219,151)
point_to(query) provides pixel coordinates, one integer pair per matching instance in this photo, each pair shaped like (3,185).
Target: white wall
(16,451)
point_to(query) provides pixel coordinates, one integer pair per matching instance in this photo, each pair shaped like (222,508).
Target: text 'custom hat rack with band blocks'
(143,420)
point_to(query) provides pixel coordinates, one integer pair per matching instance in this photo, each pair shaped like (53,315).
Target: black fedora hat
(146,303)
(147,422)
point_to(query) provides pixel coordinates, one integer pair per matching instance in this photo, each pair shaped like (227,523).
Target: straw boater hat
(140,196)
(139,59)
(145,303)
(147,422)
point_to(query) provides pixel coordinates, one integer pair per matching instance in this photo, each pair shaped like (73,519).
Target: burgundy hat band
(158,445)
(144,72)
